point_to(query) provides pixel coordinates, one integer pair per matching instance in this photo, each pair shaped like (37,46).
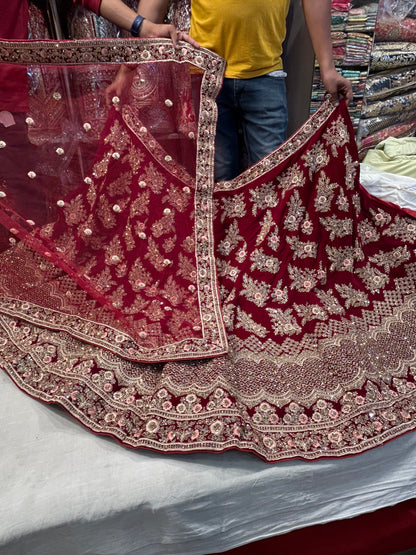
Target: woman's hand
(120,86)
(160,30)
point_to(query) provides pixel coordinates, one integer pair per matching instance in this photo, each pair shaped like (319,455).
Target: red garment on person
(93,5)
(14,25)
(13,80)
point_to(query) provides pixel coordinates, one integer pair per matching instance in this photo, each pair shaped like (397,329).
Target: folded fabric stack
(339,21)
(389,104)
(339,44)
(358,49)
(363,17)
(352,27)
(388,171)
(397,130)
(388,83)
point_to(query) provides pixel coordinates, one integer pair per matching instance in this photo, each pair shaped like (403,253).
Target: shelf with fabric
(352,31)
(390,93)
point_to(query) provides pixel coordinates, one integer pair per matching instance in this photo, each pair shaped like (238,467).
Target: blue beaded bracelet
(135,26)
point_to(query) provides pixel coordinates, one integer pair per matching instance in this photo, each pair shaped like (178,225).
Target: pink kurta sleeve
(93,5)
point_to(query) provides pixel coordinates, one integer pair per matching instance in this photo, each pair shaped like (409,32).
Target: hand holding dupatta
(121,15)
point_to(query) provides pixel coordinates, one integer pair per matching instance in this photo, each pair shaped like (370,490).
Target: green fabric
(394,155)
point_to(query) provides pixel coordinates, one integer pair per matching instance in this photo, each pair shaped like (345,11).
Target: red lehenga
(274,313)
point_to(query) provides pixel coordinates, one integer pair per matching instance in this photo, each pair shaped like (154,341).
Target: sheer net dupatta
(106,201)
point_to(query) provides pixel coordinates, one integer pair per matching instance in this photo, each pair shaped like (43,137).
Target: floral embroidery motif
(255,291)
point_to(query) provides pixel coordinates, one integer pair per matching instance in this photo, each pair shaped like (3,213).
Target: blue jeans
(258,107)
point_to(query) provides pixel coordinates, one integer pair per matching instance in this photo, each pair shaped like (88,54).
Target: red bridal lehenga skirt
(274,313)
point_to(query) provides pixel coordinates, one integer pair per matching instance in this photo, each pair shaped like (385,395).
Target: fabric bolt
(358,49)
(370,126)
(401,104)
(392,55)
(385,84)
(351,34)
(363,17)
(339,5)
(356,76)
(397,9)
(338,21)
(273,313)
(397,130)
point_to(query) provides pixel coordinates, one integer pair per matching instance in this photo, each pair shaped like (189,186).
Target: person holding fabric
(121,15)
(14,88)
(249,35)
(273,314)
(14,25)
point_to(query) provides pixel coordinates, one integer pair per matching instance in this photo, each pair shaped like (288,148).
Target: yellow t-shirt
(247,33)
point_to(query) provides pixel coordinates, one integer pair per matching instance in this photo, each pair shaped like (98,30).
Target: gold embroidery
(351,169)
(231,239)
(134,158)
(280,293)
(352,297)
(336,226)
(403,228)
(120,186)
(283,321)
(295,213)
(392,259)
(302,249)
(330,302)
(153,179)
(74,211)
(342,259)
(291,178)
(245,321)
(303,280)
(337,135)
(154,255)
(324,193)
(117,138)
(309,312)
(265,225)
(255,290)
(316,158)
(373,279)
(367,232)
(263,262)
(343,203)
(233,207)
(263,197)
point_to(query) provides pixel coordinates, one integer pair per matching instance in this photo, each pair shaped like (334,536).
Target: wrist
(136,26)
(326,66)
